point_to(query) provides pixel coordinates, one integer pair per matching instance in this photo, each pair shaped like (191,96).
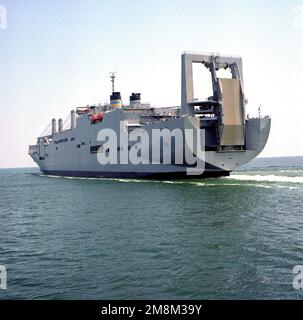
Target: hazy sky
(56,55)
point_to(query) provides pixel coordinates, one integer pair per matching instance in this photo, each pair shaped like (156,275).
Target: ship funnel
(135,98)
(115,100)
(60,125)
(54,126)
(73,119)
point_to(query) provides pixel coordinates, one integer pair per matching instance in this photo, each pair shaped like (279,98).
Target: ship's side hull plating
(73,156)
(214,173)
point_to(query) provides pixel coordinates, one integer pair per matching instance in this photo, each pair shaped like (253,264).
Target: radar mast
(113,80)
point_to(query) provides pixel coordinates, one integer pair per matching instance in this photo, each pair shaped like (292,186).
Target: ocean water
(237,237)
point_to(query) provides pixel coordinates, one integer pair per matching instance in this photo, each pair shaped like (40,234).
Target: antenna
(113,80)
(259,111)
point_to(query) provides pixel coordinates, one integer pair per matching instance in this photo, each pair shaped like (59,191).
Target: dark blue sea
(237,237)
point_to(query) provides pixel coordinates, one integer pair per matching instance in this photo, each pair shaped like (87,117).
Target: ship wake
(266,178)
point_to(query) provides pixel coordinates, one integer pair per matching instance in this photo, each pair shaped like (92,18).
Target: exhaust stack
(54,126)
(135,98)
(60,125)
(73,120)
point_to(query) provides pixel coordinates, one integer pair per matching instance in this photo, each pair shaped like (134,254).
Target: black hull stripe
(138,175)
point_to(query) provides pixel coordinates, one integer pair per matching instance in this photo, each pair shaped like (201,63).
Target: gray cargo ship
(221,130)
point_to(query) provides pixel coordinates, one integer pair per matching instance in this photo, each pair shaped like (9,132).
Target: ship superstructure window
(95,149)
(78,146)
(121,149)
(61,141)
(72,139)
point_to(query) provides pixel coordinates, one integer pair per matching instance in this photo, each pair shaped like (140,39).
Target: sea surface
(236,237)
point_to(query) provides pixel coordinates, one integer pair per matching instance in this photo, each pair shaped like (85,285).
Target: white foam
(48,175)
(127,180)
(265,178)
(240,177)
(240,184)
(292,170)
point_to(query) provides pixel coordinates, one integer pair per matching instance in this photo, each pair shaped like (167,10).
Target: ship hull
(138,175)
(73,157)
(208,172)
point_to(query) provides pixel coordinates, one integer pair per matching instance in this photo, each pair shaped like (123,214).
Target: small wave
(265,178)
(292,171)
(129,180)
(68,177)
(176,182)
(47,175)
(80,178)
(198,184)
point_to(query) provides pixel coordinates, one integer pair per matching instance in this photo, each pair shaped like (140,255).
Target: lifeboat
(96,117)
